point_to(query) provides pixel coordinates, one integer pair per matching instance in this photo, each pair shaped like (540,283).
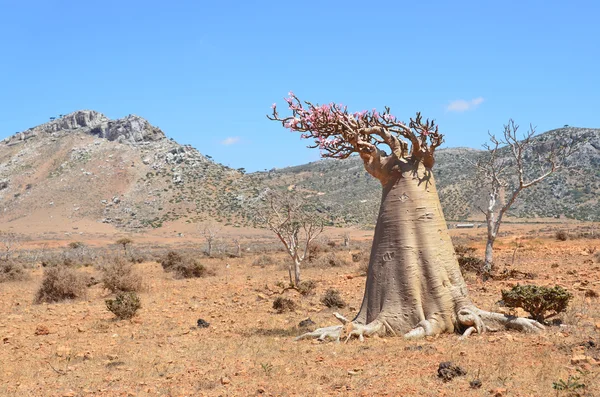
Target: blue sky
(208,72)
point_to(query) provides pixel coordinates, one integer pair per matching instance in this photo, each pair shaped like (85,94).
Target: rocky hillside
(346,191)
(124,172)
(127,173)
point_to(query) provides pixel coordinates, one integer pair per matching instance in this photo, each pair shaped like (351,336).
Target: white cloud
(461,105)
(230,141)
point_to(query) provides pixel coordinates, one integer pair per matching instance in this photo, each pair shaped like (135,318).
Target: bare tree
(294,224)
(210,231)
(238,247)
(9,243)
(346,237)
(505,178)
(414,285)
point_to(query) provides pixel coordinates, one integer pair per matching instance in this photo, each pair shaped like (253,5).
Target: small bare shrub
(537,300)
(61,283)
(466,261)
(330,259)
(562,235)
(125,305)
(184,266)
(12,271)
(307,287)
(359,256)
(284,305)
(120,275)
(363,268)
(263,260)
(332,299)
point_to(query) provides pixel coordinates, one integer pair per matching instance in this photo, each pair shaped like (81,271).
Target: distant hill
(127,173)
(346,191)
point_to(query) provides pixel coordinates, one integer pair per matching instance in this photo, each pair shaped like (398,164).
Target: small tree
(294,224)
(8,243)
(210,231)
(346,237)
(527,163)
(124,242)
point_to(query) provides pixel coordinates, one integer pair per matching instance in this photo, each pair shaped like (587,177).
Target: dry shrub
(12,271)
(561,235)
(466,261)
(307,287)
(120,275)
(315,250)
(184,266)
(263,260)
(358,257)
(125,305)
(332,299)
(284,305)
(363,268)
(61,283)
(329,260)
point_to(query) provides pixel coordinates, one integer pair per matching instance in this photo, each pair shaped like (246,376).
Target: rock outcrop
(131,129)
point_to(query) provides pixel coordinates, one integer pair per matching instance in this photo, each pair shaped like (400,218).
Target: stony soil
(77,349)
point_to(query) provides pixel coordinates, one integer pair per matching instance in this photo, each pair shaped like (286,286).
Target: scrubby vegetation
(333,299)
(184,266)
(125,305)
(120,275)
(284,305)
(11,270)
(538,300)
(61,283)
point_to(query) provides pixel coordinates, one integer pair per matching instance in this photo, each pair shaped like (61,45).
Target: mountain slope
(126,173)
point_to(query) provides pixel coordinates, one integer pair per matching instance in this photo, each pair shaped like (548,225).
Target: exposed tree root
(469,320)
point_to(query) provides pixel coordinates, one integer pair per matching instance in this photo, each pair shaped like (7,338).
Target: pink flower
(291,94)
(273,106)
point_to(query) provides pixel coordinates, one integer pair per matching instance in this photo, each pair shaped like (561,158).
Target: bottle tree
(414,285)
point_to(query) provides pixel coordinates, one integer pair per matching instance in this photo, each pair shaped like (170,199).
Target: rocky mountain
(124,172)
(127,173)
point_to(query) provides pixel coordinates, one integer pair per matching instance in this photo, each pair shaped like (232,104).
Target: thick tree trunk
(413,274)
(414,285)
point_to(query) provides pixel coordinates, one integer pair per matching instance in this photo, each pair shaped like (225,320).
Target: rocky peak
(131,129)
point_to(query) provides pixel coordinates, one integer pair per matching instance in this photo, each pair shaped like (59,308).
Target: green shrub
(537,300)
(125,305)
(61,283)
(332,299)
